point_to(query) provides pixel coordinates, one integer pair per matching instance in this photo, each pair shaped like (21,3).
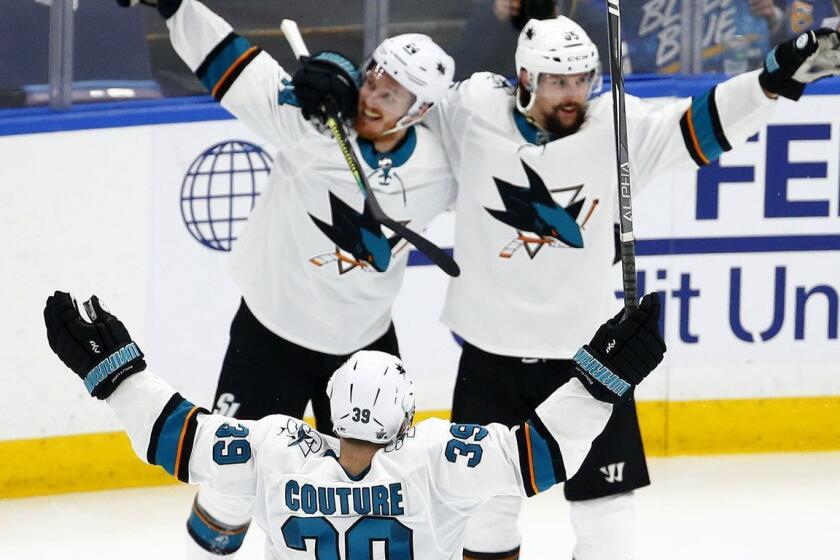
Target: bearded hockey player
(311,259)
(536,206)
(383,489)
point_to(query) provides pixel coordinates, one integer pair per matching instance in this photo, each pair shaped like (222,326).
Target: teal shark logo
(358,237)
(537,218)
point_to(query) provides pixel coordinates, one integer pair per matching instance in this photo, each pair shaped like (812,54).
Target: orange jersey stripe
(192,413)
(215,527)
(530,458)
(231,69)
(694,139)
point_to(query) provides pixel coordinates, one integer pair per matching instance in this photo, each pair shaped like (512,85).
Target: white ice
(744,507)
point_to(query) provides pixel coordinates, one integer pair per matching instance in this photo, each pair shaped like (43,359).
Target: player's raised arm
(725,116)
(165,429)
(246,80)
(477,462)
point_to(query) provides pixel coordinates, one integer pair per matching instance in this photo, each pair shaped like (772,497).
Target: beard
(554,124)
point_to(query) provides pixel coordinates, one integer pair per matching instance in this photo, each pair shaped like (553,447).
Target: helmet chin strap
(531,88)
(409,119)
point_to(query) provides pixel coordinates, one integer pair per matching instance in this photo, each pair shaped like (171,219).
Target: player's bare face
(382,102)
(560,105)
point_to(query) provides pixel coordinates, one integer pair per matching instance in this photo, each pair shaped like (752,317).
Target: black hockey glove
(327,78)
(533,9)
(622,354)
(100,352)
(165,7)
(791,65)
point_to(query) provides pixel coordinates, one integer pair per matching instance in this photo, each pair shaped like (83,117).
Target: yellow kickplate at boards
(103,461)
(79,463)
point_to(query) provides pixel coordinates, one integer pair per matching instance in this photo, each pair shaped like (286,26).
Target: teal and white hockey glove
(790,66)
(622,353)
(101,352)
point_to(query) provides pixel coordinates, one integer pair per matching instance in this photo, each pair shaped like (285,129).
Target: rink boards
(746,253)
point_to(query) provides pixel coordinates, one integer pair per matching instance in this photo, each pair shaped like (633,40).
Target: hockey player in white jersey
(534,237)
(383,489)
(318,275)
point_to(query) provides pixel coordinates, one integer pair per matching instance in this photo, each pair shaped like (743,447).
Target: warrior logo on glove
(622,353)
(100,351)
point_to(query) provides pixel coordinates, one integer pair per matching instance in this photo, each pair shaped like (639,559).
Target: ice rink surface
(744,507)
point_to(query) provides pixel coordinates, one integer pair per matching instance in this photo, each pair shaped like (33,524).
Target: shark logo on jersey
(537,218)
(302,436)
(359,241)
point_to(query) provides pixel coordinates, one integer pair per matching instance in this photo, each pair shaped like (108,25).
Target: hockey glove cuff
(327,79)
(791,65)
(622,353)
(101,352)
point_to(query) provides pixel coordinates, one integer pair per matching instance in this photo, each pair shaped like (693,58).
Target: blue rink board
(34,120)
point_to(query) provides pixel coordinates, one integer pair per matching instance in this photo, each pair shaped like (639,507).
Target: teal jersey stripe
(541,457)
(170,435)
(701,118)
(220,63)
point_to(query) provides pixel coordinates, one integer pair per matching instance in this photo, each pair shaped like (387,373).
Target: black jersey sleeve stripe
(182,463)
(689,139)
(233,72)
(717,127)
(702,129)
(225,63)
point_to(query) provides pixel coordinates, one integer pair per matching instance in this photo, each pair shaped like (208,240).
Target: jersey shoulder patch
(294,435)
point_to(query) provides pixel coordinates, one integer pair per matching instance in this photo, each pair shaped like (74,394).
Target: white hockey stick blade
(290,30)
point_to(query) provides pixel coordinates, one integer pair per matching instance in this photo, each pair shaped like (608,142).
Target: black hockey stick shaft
(625,207)
(437,255)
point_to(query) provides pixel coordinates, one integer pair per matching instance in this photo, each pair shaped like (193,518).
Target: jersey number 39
(358,540)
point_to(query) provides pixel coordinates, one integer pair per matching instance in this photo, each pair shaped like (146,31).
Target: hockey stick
(437,255)
(628,244)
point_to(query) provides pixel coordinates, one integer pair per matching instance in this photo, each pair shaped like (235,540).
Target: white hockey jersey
(534,220)
(413,501)
(312,266)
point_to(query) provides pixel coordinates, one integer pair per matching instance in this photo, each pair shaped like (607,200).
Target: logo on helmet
(410,48)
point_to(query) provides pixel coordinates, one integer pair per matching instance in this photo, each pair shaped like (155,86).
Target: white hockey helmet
(371,398)
(555,46)
(419,65)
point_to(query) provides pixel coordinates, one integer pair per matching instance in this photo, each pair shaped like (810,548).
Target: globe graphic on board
(219,191)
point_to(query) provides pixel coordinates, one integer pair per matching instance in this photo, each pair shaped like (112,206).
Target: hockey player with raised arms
(318,275)
(383,489)
(534,237)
